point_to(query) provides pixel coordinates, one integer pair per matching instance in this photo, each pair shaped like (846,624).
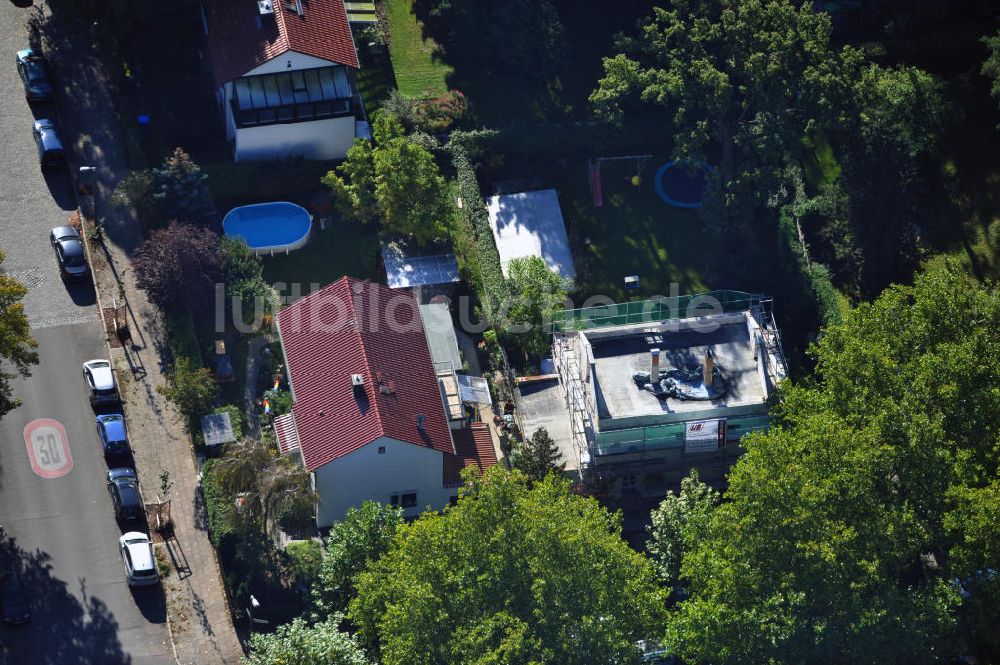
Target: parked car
(114,438)
(50,147)
(68,246)
(123,486)
(100,378)
(137,555)
(15,600)
(34,74)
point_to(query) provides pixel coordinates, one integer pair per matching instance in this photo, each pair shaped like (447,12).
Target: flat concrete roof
(543,405)
(531,224)
(618,358)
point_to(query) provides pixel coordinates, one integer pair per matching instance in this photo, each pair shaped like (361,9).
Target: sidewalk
(200,622)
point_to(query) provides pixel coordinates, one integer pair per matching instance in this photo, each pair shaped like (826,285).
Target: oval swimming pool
(267,228)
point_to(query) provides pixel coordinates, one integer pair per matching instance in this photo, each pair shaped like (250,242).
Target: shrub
(192,389)
(304,560)
(220,510)
(436,115)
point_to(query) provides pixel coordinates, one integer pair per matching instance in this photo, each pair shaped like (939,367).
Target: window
(381,450)
(629,482)
(407,500)
(292,96)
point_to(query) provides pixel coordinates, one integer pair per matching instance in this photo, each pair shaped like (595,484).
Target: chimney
(709,366)
(654,365)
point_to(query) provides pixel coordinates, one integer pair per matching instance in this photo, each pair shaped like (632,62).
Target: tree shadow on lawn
(498,97)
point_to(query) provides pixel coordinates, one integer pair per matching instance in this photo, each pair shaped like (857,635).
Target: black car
(15,600)
(50,148)
(123,486)
(68,246)
(34,75)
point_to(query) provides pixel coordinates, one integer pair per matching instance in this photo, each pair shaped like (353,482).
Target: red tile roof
(239,38)
(356,327)
(473,447)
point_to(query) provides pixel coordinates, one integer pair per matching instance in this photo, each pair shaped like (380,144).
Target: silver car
(100,378)
(137,555)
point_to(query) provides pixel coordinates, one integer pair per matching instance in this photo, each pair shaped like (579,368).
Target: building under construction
(642,392)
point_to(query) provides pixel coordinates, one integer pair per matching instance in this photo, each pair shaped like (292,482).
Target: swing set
(594,173)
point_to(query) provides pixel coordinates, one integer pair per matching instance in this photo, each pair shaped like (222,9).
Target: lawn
(344,248)
(635,233)
(418,69)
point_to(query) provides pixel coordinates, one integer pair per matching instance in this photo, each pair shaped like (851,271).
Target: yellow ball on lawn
(636,181)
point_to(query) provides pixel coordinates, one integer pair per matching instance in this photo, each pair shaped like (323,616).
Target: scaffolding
(567,362)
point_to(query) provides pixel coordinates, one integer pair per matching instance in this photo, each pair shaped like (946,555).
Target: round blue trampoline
(682,184)
(267,228)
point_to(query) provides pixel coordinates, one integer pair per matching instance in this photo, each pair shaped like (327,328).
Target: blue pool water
(269,226)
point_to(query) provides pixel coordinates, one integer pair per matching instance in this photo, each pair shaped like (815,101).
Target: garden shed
(531,224)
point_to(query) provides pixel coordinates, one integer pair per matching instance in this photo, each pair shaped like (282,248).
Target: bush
(436,115)
(220,510)
(304,560)
(192,389)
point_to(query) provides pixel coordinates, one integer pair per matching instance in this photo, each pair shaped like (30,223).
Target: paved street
(61,528)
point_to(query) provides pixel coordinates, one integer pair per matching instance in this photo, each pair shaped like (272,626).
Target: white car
(137,555)
(100,378)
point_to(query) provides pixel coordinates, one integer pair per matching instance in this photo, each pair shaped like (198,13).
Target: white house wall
(289,60)
(367,475)
(317,139)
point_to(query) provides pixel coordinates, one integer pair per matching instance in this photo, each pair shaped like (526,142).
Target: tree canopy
(743,79)
(864,523)
(537,292)
(179,266)
(537,456)
(394,179)
(298,642)
(678,524)
(17,346)
(361,538)
(509,574)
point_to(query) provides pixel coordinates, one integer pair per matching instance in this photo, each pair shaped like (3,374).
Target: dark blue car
(34,75)
(114,439)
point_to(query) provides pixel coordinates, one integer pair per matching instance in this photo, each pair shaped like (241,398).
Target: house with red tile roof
(284,73)
(369,420)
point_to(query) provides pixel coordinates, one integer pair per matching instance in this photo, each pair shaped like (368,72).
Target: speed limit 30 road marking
(48,448)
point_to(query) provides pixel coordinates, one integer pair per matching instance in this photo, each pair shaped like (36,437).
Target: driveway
(59,528)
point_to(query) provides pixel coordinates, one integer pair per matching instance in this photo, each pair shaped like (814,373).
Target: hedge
(493,286)
(220,513)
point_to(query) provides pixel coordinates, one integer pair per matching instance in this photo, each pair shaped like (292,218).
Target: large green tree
(394,179)
(17,346)
(302,644)
(361,538)
(509,575)
(744,81)
(991,67)
(862,526)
